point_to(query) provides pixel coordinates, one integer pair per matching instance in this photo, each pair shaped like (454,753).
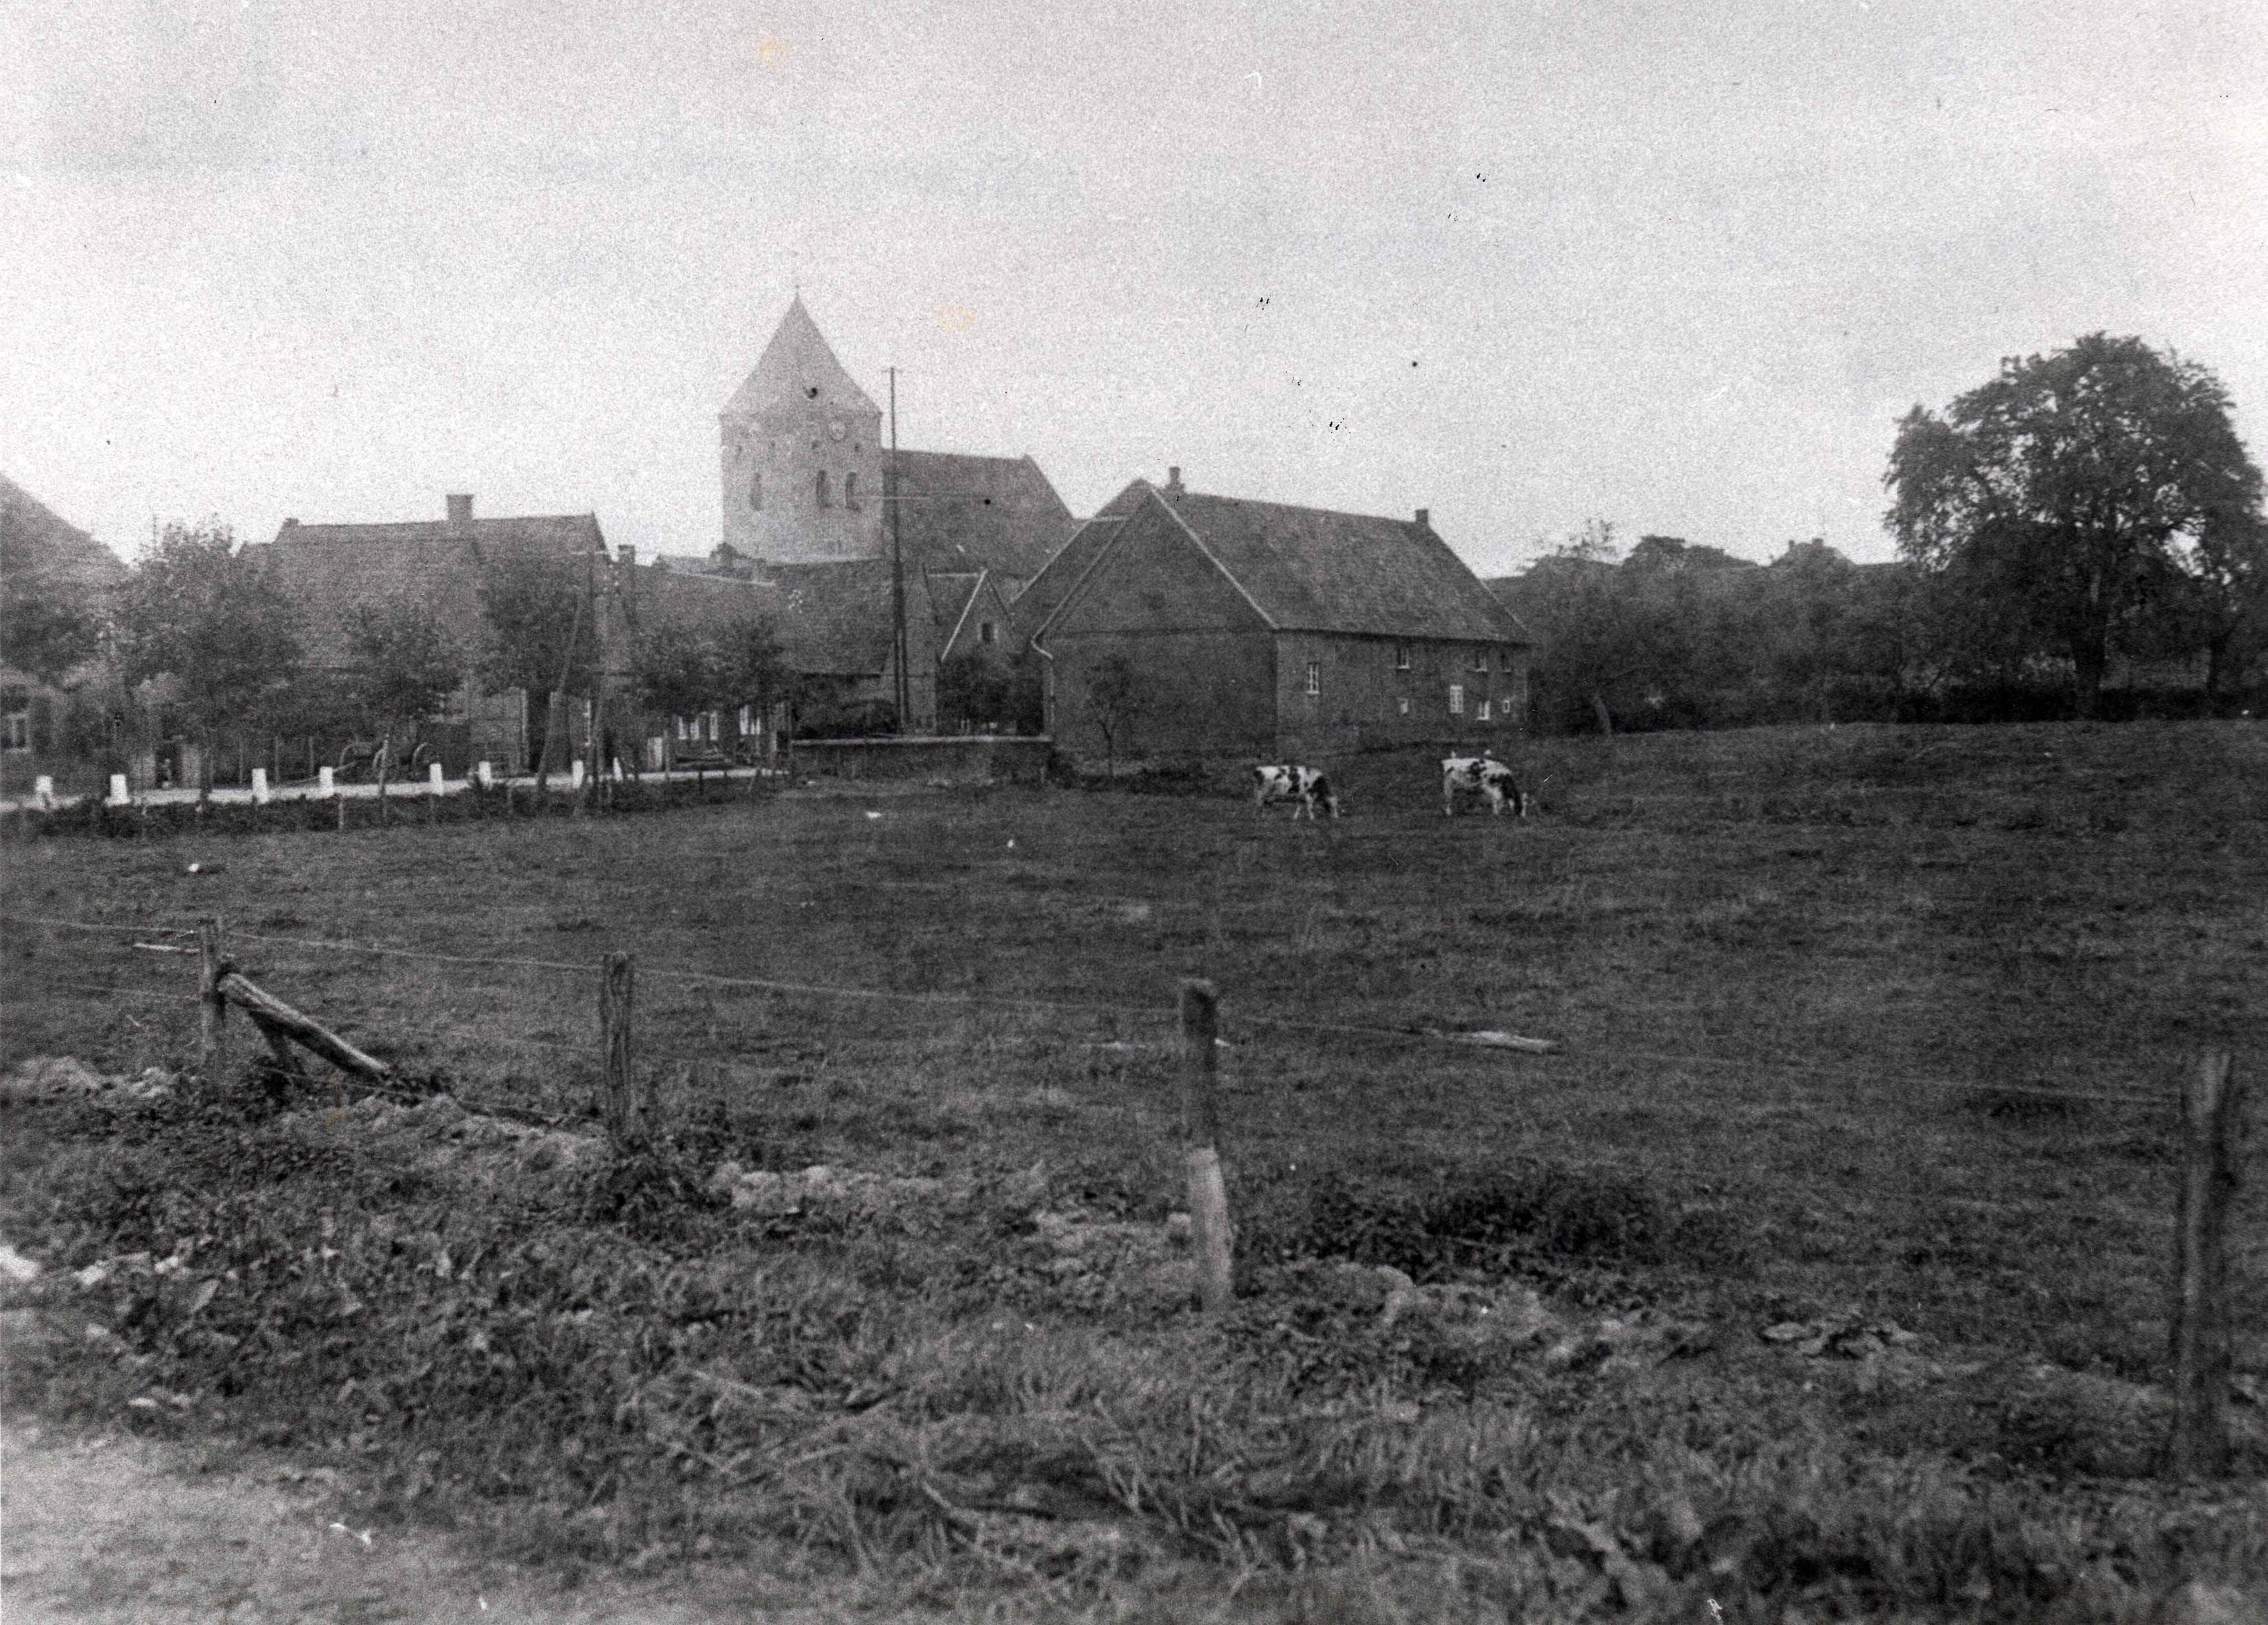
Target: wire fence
(570,1007)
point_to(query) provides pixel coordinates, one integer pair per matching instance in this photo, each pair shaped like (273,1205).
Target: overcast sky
(1681,266)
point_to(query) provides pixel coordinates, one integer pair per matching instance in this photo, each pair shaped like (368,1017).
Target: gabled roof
(332,570)
(797,366)
(968,513)
(1307,569)
(1045,593)
(951,592)
(38,543)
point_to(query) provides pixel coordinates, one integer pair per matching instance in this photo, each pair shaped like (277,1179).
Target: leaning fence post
(1209,1225)
(616,988)
(212,1043)
(2213,1123)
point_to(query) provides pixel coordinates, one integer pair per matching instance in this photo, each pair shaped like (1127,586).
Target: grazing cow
(1482,776)
(1290,782)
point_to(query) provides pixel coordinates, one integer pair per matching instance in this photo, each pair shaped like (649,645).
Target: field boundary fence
(2210,1105)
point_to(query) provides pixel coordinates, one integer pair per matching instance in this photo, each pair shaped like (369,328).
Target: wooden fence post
(212,1038)
(615,990)
(2212,1124)
(1210,1232)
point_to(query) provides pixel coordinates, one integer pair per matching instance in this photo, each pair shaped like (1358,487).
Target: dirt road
(107,1527)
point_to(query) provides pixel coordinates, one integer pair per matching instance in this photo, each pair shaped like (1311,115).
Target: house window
(756,491)
(716,725)
(985,632)
(747,719)
(851,490)
(1401,705)
(824,501)
(1315,676)
(684,729)
(1480,660)
(1401,657)
(1456,700)
(1482,711)
(15,721)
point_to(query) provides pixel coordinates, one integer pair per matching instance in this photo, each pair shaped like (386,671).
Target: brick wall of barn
(1366,699)
(1203,661)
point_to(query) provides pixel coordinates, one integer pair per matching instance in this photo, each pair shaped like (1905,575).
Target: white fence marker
(119,793)
(43,792)
(259,786)
(327,782)
(487,776)
(433,776)
(578,772)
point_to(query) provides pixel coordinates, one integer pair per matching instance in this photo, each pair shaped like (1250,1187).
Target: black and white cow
(1485,777)
(1287,781)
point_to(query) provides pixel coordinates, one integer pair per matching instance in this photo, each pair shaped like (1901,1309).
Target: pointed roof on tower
(798,365)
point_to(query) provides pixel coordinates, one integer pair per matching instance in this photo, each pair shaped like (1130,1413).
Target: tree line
(2082,514)
(231,652)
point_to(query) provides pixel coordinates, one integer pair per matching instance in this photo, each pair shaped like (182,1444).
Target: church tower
(799,451)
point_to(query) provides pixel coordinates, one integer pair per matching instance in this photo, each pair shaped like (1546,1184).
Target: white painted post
(119,796)
(259,786)
(327,783)
(578,772)
(487,776)
(43,792)
(433,776)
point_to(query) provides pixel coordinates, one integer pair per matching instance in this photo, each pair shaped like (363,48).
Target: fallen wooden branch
(269,1012)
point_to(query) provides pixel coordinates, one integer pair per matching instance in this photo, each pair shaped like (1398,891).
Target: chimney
(1425,516)
(1174,480)
(291,524)
(461,510)
(626,555)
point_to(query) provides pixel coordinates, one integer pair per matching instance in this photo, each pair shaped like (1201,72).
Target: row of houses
(1169,623)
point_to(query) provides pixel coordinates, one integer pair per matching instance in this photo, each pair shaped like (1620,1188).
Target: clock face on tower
(835,430)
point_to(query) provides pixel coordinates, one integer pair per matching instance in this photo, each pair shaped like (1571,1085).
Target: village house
(50,566)
(333,572)
(1176,624)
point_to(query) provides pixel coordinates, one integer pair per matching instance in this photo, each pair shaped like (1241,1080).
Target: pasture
(1874,1027)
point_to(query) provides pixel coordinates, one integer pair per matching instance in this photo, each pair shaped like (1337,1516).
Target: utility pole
(894,500)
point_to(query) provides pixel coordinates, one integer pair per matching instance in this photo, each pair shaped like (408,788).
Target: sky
(1680,266)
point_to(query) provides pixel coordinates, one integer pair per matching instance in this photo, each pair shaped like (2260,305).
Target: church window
(756,491)
(851,490)
(823,499)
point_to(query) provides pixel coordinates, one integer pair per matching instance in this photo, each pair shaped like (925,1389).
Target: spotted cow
(1482,776)
(1288,781)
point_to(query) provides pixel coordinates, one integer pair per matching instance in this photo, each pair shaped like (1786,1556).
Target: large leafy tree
(46,632)
(2053,500)
(684,668)
(196,610)
(541,636)
(406,666)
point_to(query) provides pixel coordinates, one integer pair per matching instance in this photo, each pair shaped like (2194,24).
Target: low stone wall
(969,759)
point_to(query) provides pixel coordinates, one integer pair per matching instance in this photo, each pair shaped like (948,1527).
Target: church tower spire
(799,454)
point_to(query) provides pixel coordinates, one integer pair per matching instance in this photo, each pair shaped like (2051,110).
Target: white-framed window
(684,729)
(1401,705)
(1456,700)
(716,725)
(747,719)
(1315,676)
(1401,657)
(1482,711)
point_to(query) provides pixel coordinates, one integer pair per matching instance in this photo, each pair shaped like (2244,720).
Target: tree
(684,669)
(406,666)
(43,633)
(196,610)
(2051,497)
(1605,641)
(1113,694)
(540,638)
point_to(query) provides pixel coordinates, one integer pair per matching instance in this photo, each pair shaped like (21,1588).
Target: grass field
(1884,1023)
